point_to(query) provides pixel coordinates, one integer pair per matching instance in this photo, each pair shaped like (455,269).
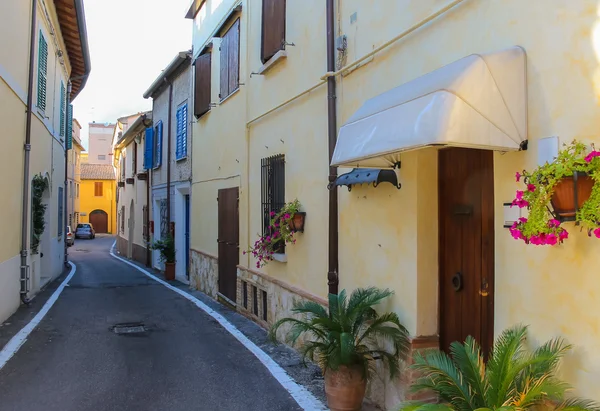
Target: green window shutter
(42,72)
(70,127)
(62,108)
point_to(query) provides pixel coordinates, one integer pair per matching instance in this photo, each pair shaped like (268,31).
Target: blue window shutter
(159,143)
(148,148)
(178,153)
(184,117)
(42,72)
(70,127)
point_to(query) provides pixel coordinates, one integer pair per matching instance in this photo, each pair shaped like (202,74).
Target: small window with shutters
(273,28)
(42,72)
(98,192)
(230,61)
(202,84)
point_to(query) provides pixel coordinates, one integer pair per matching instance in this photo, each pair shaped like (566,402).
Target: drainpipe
(66,190)
(27,152)
(169,156)
(332,274)
(147,217)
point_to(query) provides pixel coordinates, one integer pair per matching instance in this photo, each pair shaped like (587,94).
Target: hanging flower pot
(567,190)
(296,223)
(571,185)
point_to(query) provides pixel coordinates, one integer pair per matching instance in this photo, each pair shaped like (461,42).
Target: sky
(131,42)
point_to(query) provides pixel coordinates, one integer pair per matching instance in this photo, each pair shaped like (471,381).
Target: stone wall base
(122,245)
(204,273)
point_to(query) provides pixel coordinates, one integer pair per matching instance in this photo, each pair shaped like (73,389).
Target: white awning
(479,101)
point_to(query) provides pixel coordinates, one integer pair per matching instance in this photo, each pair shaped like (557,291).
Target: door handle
(457,281)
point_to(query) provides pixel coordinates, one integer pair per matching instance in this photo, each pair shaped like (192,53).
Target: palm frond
(311,308)
(468,358)
(388,327)
(362,298)
(545,359)
(297,328)
(424,406)
(539,389)
(578,404)
(440,375)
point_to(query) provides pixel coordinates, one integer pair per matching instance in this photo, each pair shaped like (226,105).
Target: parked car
(85,230)
(70,238)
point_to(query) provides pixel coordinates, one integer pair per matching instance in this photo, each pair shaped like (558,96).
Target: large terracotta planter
(169,271)
(345,389)
(563,199)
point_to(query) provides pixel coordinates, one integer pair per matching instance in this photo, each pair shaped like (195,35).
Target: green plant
(512,379)
(279,231)
(38,211)
(350,334)
(540,228)
(166,248)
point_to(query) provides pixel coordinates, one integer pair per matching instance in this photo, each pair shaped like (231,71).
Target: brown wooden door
(99,220)
(466,223)
(228,242)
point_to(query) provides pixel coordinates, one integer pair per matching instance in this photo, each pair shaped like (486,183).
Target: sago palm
(350,334)
(513,379)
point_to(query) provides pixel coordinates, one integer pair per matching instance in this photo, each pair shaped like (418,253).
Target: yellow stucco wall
(88,202)
(388,237)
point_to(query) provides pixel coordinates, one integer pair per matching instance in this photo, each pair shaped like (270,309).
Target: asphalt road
(185,361)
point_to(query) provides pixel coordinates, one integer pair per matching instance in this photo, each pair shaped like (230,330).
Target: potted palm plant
(346,342)
(166,248)
(511,380)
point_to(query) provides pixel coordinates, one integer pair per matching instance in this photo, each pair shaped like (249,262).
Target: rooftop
(97,172)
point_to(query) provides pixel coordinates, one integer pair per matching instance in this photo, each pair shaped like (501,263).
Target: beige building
(100,143)
(74,176)
(451,99)
(133,188)
(44,64)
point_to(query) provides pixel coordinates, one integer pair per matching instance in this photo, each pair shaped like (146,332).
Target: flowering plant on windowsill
(541,227)
(279,230)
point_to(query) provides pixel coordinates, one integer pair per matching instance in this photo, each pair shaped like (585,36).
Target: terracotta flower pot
(169,271)
(345,389)
(297,222)
(563,199)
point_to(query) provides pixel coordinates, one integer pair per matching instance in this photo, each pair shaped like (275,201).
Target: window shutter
(63,102)
(159,143)
(70,127)
(184,129)
(42,72)
(148,149)
(224,70)
(273,28)
(178,141)
(233,48)
(202,95)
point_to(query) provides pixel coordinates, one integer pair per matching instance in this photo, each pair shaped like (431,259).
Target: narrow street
(184,361)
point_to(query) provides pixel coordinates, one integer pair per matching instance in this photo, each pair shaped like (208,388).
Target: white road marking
(301,395)
(20,338)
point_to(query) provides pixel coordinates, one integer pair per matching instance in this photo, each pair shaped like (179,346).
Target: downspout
(147,217)
(169,156)
(332,274)
(66,190)
(27,152)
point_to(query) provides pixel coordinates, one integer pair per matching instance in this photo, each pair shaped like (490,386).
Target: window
(264,304)
(123,220)
(181,137)
(273,28)
(77,187)
(245,294)
(202,84)
(272,191)
(101,157)
(98,189)
(63,104)
(42,72)
(61,209)
(157,144)
(134,163)
(230,60)
(149,148)
(145,225)
(255,300)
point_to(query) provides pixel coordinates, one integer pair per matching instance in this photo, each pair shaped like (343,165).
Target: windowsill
(41,112)
(234,92)
(279,56)
(282,258)
(181,159)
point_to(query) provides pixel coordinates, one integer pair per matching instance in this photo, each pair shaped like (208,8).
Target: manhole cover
(129,328)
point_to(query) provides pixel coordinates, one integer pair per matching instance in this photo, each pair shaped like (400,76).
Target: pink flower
(520,203)
(268,238)
(551,239)
(516,234)
(286,216)
(257,265)
(591,156)
(530,188)
(597,232)
(519,195)
(553,223)
(522,220)
(272,213)
(535,240)
(244,252)
(564,234)
(276,234)
(518,176)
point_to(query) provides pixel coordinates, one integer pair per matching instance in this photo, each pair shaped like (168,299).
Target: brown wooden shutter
(233,45)
(224,70)
(202,93)
(98,189)
(273,28)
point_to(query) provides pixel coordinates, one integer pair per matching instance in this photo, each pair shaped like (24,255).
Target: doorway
(466,235)
(187,236)
(131,230)
(99,220)
(228,242)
